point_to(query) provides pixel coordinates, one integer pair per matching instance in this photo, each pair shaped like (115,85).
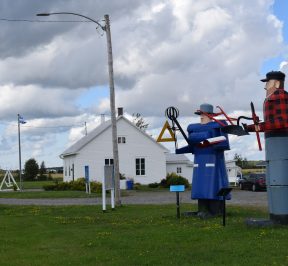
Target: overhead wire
(26,126)
(43,21)
(58,126)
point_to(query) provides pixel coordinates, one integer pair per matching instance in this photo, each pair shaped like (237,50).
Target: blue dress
(209,172)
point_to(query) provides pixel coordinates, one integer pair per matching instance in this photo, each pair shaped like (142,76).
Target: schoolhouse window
(179,170)
(109,161)
(140,166)
(121,140)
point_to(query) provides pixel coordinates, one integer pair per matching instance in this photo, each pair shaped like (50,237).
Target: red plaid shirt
(275,109)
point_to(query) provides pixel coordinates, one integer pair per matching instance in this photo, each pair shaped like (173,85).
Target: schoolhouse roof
(177,158)
(76,147)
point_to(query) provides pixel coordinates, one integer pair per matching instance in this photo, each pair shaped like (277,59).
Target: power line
(64,126)
(43,21)
(68,126)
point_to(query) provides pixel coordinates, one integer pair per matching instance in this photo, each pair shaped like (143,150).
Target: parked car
(253,182)
(238,178)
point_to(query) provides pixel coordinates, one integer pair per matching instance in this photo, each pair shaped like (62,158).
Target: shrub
(163,183)
(153,185)
(96,187)
(49,187)
(15,187)
(77,185)
(122,176)
(174,179)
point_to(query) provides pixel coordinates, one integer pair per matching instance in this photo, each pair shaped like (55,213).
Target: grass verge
(135,235)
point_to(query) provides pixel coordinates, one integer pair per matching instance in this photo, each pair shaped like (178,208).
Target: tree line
(244,163)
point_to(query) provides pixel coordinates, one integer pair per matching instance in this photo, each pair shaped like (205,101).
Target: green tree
(31,169)
(139,121)
(42,171)
(240,161)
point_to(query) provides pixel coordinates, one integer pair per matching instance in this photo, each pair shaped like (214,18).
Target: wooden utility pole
(106,28)
(19,145)
(113,113)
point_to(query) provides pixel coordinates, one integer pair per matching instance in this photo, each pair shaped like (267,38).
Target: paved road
(239,197)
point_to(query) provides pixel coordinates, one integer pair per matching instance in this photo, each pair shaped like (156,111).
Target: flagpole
(19,143)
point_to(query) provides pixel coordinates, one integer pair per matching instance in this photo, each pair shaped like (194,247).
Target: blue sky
(92,96)
(280,9)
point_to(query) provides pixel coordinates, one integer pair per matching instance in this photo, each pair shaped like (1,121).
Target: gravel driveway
(239,197)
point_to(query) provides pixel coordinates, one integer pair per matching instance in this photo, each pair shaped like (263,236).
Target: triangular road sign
(172,135)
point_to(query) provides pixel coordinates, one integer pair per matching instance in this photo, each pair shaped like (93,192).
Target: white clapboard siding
(94,148)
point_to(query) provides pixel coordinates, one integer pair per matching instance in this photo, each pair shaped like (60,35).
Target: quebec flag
(21,119)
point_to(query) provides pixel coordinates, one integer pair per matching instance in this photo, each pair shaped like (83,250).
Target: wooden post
(113,112)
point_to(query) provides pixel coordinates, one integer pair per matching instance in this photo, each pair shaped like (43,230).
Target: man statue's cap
(277,75)
(206,108)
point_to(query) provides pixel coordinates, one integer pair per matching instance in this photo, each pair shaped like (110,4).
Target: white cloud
(33,101)
(166,53)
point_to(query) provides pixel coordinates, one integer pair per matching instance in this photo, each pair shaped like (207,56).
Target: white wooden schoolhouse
(141,158)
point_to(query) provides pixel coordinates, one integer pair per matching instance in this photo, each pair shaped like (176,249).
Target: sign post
(223,192)
(177,189)
(108,184)
(87,181)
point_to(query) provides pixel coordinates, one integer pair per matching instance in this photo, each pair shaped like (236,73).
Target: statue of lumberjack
(275,128)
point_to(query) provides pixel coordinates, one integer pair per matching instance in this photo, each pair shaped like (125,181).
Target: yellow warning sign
(172,136)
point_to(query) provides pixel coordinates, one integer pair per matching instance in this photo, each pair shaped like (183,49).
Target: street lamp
(106,28)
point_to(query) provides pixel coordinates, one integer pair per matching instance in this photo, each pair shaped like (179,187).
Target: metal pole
(178,204)
(112,199)
(19,144)
(103,195)
(113,114)
(224,211)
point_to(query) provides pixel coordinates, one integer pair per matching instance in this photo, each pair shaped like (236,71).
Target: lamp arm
(75,14)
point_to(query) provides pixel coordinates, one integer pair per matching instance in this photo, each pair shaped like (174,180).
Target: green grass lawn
(47,194)
(35,184)
(135,235)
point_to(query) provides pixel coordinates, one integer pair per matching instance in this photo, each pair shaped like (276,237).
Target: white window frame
(110,161)
(179,170)
(121,140)
(142,166)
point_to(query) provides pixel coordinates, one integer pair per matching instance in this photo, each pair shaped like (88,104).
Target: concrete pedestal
(277,178)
